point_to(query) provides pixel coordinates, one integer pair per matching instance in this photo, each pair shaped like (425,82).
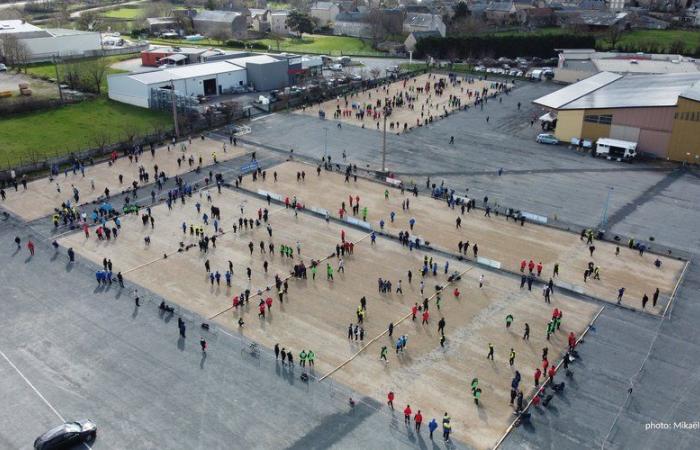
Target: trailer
(616,149)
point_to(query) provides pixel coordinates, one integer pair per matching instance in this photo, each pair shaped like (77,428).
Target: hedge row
(494,46)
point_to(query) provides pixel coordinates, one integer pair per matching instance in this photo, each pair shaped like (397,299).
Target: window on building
(605,119)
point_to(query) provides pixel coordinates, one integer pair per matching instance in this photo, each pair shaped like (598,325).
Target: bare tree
(377,27)
(277,38)
(15,52)
(614,35)
(375,72)
(221,34)
(94,72)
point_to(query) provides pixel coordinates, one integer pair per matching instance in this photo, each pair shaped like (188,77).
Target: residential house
(540,17)
(353,24)
(259,20)
(414,37)
(324,13)
(278,23)
(424,22)
(501,12)
(213,22)
(157,25)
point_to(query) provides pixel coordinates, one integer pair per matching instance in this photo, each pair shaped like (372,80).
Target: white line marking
(32,386)
(255,119)
(26,380)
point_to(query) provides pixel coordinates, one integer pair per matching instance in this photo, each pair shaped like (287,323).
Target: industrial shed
(659,112)
(258,72)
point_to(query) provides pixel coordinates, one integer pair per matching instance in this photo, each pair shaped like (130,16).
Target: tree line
(494,46)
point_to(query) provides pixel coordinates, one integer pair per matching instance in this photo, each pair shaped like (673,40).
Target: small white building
(278,23)
(324,12)
(194,80)
(45,44)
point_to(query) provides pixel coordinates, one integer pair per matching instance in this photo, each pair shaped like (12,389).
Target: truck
(616,149)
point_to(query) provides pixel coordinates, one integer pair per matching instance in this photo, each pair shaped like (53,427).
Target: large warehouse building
(259,72)
(661,113)
(44,44)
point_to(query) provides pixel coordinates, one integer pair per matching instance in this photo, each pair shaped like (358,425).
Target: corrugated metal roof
(257,59)
(638,91)
(562,97)
(183,72)
(692,93)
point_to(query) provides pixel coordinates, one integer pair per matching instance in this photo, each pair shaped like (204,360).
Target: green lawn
(329,45)
(124,13)
(40,135)
(309,43)
(660,40)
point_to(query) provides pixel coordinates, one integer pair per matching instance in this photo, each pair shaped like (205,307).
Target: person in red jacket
(523,263)
(456,293)
(30,246)
(407,415)
(418,419)
(390,399)
(538,374)
(414,311)
(426,316)
(572,341)
(531,266)
(268,302)
(545,364)
(539,268)
(552,371)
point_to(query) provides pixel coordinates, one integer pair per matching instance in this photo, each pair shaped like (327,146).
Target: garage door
(624,133)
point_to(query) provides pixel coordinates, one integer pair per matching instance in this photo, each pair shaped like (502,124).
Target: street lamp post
(604,215)
(325,142)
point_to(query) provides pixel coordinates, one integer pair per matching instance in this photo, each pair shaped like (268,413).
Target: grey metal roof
(562,97)
(692,93)
(216,16)
(638,91)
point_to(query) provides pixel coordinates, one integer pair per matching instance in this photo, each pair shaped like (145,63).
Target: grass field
(309,43)
(656,40)
(124,13)
(40,135)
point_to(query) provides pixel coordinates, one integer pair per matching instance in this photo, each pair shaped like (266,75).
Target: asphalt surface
(74,351)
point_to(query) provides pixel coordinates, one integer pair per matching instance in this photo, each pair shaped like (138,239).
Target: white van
(616,149)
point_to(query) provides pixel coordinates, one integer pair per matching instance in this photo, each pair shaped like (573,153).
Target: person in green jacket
(310,356)
(302,358)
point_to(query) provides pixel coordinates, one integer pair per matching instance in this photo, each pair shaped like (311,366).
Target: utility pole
(172,98)
(604,215)
(58,80)
(325,143)
(384,142)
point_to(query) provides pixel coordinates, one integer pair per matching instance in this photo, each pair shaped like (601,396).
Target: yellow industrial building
(661,113)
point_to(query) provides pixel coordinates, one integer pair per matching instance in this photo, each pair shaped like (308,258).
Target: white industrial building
(259,72)
(45,44)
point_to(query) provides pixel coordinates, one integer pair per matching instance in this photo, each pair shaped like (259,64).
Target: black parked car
(67,436)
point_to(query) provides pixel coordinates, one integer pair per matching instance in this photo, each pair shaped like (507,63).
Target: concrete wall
(268,76)
(569,125)
(686,132)
(123,89)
